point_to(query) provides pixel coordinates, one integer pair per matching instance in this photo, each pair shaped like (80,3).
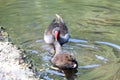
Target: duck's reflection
(70,74)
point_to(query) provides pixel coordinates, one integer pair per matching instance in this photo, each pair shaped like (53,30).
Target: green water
(87,20)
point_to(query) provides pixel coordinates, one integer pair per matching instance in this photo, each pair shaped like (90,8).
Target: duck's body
(63,60)
(58,26)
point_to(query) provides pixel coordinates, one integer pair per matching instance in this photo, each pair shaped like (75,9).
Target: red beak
(56,35)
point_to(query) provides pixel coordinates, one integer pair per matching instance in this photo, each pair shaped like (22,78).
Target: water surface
(94,26)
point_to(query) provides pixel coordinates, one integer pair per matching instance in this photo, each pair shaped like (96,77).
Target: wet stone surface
(12,66)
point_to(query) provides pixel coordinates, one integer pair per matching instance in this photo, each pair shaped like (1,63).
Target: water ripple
(89,66)
(54,72)
(109,44)
(84,45)
(77,40)
(98,42)
(38,41)
(101,58)
(33,51)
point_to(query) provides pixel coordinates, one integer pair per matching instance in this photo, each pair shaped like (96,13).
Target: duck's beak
(56,35)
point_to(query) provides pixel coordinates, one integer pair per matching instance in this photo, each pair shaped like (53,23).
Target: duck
(63,60)
(57,30)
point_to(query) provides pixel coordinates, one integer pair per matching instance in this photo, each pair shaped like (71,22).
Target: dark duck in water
(57,30)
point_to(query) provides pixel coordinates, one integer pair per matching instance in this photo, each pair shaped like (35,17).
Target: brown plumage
(63,60)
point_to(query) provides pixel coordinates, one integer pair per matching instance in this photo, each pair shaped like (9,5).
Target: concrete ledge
(12,66)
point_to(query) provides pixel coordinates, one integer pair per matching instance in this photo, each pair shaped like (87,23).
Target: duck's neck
(58,48)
